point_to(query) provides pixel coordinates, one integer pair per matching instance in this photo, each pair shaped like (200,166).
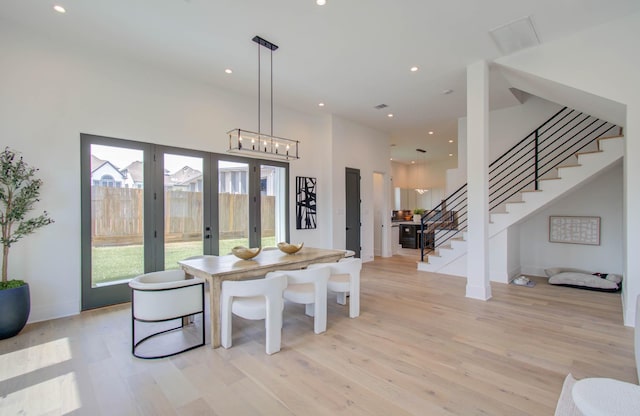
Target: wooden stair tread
(575,165)
(617,136)
(588,152)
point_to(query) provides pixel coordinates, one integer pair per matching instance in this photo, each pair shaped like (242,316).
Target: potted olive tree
(19,191)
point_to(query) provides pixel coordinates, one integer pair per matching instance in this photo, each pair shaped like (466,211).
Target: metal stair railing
(518,169)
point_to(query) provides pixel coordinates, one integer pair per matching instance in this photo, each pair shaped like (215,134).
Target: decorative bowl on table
(245,253)
(290,248)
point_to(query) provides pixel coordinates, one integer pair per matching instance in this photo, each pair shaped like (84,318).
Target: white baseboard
(532,271)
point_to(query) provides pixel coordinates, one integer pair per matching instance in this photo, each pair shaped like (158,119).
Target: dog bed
(583,279)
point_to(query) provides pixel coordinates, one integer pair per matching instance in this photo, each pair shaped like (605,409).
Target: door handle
(348,228)
(207,236)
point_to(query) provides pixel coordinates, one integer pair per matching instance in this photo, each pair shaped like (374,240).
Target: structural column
(631,282)
(478,286)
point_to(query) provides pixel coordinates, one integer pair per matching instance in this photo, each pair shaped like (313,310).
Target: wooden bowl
(245,253)
(290,248)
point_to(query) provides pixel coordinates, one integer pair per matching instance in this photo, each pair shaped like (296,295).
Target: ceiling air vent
(421,150)
(380,106)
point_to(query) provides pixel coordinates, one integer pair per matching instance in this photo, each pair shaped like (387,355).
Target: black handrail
(527,162)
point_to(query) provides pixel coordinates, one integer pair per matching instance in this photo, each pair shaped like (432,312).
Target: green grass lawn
(111,264)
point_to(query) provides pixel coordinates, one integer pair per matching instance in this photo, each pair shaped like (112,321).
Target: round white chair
(596,396)
(254,299)
(309,287)
(163,297)
(345,280)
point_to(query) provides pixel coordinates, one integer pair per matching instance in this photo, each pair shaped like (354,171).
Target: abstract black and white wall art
(305,203)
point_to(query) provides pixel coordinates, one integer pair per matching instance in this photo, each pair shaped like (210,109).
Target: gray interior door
(352,209)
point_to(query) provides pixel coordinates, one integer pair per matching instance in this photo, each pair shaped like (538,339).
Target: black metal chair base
(177,328)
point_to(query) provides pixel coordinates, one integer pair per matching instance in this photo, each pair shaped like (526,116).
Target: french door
(145,207)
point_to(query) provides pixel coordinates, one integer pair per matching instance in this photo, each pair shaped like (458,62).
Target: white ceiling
(350,54)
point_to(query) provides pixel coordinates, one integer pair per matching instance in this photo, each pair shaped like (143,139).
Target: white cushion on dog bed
(582,279)
(555,270)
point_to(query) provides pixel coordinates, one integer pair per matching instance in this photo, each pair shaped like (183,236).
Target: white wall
(431,176)
(602,198)
(50,93)
(570,61)
(422,175)
(400,175)
(358,147)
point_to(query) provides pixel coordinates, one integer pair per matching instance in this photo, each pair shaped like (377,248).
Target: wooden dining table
(216,269)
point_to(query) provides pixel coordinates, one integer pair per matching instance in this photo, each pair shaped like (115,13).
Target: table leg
(215,287)
(187,320)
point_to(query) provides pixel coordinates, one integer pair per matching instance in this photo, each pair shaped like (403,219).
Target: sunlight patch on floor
(37,357)
(58,395)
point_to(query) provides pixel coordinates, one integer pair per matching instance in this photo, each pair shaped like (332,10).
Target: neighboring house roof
(105,165)
(183,176)
(96,162)
(135,170)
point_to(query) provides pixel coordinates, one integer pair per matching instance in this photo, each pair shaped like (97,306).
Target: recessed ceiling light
(414,68)
(59,8)
(450,154)
(430,132)
(321,2)
(447,92)
(228,71)
(320,104)
(390,115)
(413,162)
(450,140)
(391,159)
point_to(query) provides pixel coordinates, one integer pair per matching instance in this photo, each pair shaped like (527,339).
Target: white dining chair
(309,287)
(254,299)
(164,296)
(345,280)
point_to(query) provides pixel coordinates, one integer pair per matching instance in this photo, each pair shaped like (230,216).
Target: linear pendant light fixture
(262,144)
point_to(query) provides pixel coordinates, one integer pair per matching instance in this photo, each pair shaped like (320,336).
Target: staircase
(564,152)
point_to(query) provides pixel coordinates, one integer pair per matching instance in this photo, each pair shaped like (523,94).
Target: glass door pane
(272,205)
(117,214)
(233,205)
(183,208)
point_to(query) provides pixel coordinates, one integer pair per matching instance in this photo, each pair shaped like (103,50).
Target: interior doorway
(352,210)
(381,216)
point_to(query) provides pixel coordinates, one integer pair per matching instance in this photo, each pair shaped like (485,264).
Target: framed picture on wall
(306,203)
(574,230)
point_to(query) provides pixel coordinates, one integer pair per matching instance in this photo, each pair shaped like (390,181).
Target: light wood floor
(419,347)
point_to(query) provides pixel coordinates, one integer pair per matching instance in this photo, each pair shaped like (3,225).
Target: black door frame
(92,297)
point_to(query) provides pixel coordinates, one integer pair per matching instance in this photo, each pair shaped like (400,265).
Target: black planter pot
(15,305)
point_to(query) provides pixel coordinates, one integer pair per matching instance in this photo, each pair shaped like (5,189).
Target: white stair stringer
(452,259)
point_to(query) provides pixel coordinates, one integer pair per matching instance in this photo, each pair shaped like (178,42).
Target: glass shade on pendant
(263,145)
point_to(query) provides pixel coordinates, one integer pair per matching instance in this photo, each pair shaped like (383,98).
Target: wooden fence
(117,216)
